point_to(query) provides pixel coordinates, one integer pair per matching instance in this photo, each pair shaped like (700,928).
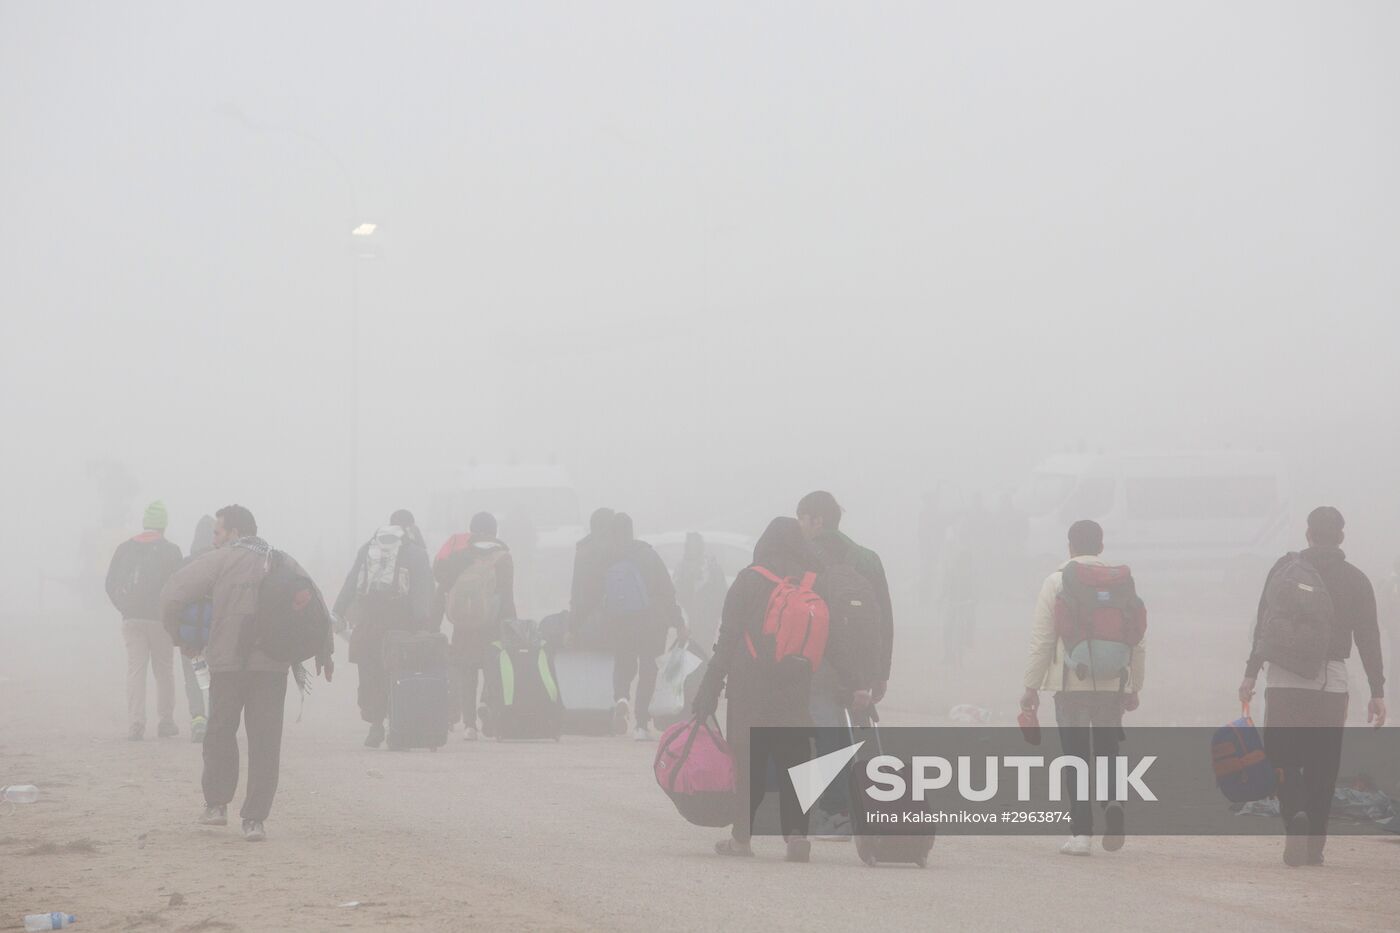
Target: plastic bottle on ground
(20,793)
(201,672)
(34,923)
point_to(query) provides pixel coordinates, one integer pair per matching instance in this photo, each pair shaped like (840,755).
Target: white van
(1174,517)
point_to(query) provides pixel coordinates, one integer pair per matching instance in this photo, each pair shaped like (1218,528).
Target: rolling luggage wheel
(921,861)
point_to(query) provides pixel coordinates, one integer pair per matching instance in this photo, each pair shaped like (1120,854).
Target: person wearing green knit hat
(156,518)
(135,577)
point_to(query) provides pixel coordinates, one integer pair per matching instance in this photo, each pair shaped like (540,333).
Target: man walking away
(244,682)
(139,569)
(475,576)
(639,605)
(820,517)
(858,597)
(1095,661)
(389,587)
(700,589)
(1314,605)
(591,559)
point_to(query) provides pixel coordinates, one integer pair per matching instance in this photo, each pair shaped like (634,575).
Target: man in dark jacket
(819,515)
(591,558)
(472,637)
(1310,757)
(138,571)
(390,587)
(638,607)
(755,695)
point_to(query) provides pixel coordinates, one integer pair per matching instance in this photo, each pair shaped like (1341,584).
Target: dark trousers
(1303,739)
(751,768)
(1090,724)
(258,698)
(627,664)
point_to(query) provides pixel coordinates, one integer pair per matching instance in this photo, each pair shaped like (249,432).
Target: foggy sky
(709,256)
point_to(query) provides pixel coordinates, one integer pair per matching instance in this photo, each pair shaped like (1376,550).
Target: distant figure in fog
(389,588)
(762,694)
(475,576)
(1095,661)
(639,606)
(138,571)
(244,683)
(1306,683)
(700,589)
(591,558)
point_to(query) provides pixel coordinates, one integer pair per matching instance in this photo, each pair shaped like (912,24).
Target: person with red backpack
(772,636)
(475,574)
(1087,646)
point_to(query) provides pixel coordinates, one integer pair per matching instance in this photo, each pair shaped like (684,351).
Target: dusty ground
(543,836)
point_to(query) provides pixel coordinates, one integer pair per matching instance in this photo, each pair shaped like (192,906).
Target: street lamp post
(361,233)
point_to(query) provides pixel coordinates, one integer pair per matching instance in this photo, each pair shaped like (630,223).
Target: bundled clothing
(244,684)
(1303,717)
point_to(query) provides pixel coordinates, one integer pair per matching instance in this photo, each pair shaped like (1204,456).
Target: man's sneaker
(798,850)
(1295,847)
(1112,839)
(214,816)
(167,730)
(621,713)
(733,848)
(137,732)
(641,734)
(198,727)
(376,735)
(253,831)
(1077,845)
(470,735)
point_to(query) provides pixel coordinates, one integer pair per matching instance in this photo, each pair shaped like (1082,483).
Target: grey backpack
(1298,617)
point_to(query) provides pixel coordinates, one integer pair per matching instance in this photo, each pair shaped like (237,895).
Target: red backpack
(796,623)
(1099,617)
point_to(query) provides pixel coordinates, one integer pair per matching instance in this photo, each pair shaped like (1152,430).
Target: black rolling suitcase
(874,849)
(522,691)
(420,693)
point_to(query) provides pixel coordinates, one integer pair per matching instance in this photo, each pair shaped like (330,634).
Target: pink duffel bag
(695,768)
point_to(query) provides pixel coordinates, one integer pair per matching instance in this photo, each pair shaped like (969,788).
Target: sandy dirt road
(537,837)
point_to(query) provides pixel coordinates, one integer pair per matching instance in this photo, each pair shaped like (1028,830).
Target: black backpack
(1296,624)
(139,578)
(856,638)
(292,623)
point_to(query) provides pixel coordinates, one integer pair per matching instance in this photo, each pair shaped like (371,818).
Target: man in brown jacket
(243,683)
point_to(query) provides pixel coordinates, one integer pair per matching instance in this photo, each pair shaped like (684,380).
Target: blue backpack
(624,590)
(196,619)
(1242,770)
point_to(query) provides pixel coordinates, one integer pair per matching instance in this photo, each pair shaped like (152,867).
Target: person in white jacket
(1088,709)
